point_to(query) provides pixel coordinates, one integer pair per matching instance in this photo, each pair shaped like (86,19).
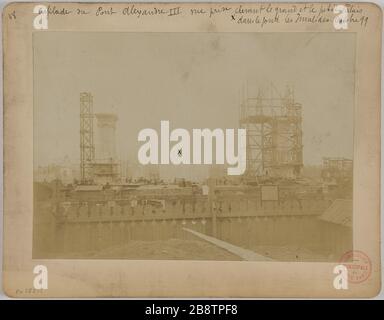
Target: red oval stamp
(358,264)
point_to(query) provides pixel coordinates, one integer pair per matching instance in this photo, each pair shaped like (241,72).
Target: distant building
(337,176)
(336,169)
(64,170)
(105,172)
(136,171)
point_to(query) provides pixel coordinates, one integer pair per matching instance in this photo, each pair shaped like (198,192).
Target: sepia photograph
(192,146)
(192,150)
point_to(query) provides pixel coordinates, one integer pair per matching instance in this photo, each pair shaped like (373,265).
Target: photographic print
(192,150)
(193,146)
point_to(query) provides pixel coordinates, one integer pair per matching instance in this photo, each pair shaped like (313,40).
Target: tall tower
(274,135)
(87,149)
(106,166)
(106,137)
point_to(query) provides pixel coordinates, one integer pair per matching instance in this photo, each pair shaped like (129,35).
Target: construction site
(277,210)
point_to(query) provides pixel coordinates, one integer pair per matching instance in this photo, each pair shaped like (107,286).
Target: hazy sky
(193,80)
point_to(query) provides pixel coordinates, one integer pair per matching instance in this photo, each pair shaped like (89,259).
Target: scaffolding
(274,134)
(336,169)
(87,149)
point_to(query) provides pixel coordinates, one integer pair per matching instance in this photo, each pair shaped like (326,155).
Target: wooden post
(212,205)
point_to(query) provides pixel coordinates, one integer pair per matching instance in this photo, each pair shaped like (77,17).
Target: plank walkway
(245,254)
